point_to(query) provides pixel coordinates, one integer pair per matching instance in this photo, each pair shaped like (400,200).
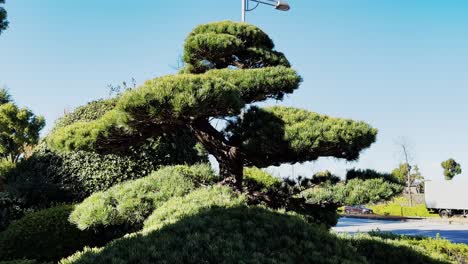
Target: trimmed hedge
(44,236)
(400,206)
(130,203)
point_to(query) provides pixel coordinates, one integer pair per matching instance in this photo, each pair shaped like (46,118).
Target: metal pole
(244,6)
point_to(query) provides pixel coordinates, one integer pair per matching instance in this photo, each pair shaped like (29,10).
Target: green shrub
(193,203)
(258,179)
(213,225)
(225,235)
(353,192)
(11,208)
(89,112)
(45,236)
(384,251)
(132,202)
(457,253)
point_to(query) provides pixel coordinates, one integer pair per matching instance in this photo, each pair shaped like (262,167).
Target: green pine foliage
(257,179)
(192,204)
(296,135)
(44,236)
(353,192)
(130,203)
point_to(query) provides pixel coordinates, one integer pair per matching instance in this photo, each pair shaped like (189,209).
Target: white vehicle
(448,198)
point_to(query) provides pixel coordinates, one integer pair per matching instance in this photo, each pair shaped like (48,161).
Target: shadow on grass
(246,235)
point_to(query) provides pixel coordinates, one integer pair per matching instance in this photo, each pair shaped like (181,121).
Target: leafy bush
(11,208)
(448,251)
(353,192)
(132,202)
(258,179)
(368,174)
(45,236)
(225,235)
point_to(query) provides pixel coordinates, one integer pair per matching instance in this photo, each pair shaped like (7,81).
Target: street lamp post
(277,4)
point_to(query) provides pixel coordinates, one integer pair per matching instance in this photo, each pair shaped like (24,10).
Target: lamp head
(282,5)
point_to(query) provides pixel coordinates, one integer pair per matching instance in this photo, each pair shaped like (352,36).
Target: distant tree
(19,128)
(3,18)
(451,169)
(401,172)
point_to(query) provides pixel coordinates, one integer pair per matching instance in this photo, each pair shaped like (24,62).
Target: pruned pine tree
(228,67)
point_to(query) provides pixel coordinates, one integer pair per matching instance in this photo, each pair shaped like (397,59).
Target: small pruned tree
(3,18)
(228,67)
(451,169)
(19,128)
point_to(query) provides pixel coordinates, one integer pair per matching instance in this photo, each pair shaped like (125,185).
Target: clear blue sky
(400,65)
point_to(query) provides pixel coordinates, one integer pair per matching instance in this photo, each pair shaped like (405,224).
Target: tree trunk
(231,168)
(228,156)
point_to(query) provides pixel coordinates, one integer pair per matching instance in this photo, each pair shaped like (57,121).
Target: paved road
(454,232)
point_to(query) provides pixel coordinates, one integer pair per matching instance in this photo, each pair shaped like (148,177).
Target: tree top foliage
(228,66)
(451,169)
(3,17)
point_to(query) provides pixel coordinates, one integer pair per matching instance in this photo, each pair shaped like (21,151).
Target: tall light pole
(277,4)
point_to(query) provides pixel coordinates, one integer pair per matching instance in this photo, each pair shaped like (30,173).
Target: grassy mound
(130,203)
(44,235)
